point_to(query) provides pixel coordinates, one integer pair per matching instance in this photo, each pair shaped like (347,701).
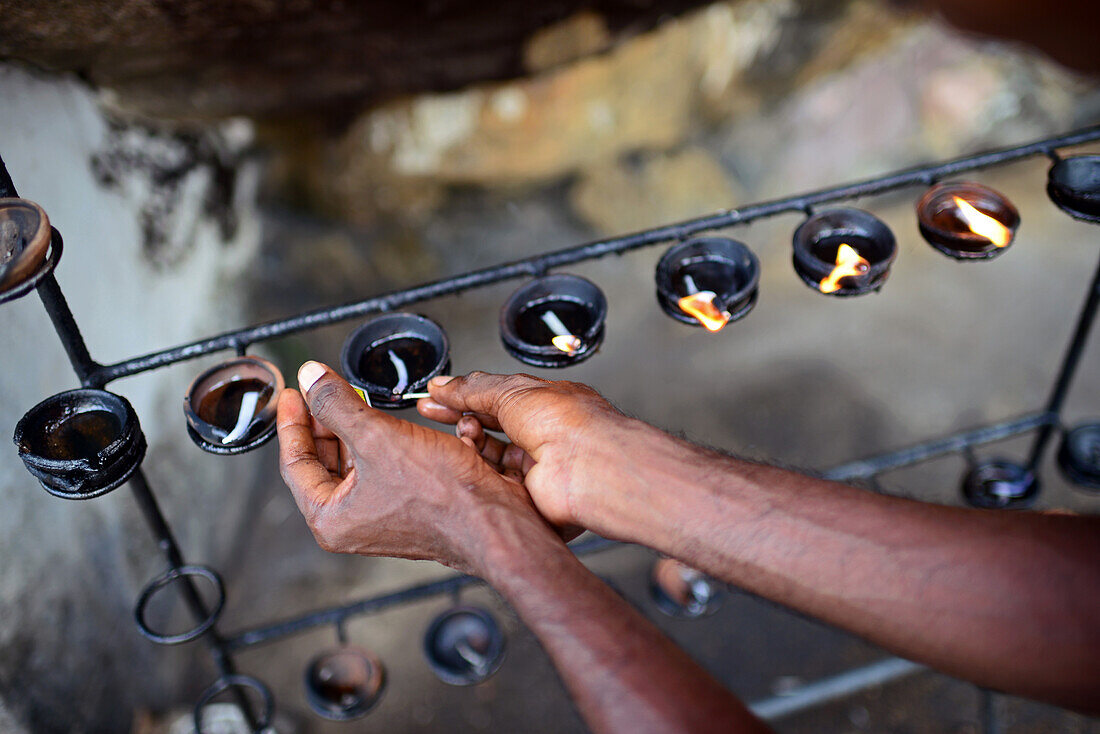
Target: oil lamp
(81,443)
(554,321)
(708,282)
(464,645)
(344,683)
(230,408)
(1000,484)
(844,252)
(24,238)
(390,359)
(967,221)
(682,591)
(1079,455)
(1073,184)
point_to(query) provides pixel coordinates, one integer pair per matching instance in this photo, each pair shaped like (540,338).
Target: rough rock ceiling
(283,58)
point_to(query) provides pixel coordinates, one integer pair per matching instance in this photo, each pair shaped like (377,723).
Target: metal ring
(237,681)
(174,574)
(52,258)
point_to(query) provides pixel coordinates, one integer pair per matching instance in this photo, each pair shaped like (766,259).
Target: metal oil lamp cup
(1079,455)
(345,683)
(967,221)
(392,357)
(464,645)
(24,238)
(81,443)
(1073,184)
(818,244)
(682,591)
(554,321)
(230,408)
(1000,484)
(717,265)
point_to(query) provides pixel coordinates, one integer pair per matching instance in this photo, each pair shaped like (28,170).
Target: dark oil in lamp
(390,358)
(554,321)
(967,221)
(708,282)
(231,406)
(345,683)
(844,252)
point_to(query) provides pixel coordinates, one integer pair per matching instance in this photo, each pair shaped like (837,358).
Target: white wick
(689,284)
(402,373)
(554,323)
(477,661)
(244,418)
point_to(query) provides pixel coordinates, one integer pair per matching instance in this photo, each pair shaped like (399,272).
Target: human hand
(372,484)
(576,454)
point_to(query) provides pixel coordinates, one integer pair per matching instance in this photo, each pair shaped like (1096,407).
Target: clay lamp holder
(1073,183)
(464,645)
(230,408)
(1079,455)
(684,592)
(81,443)
(1000,484)
(390,359)
(717,265)
(344,683)
(565,306)
(240,686)
(817,242)
(29,247)
(946,224)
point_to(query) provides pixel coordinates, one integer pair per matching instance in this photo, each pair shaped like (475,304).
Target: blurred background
(212,164)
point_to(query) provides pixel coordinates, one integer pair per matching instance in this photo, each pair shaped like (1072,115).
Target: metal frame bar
(93,374)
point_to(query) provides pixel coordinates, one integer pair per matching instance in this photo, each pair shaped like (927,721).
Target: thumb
(331,400)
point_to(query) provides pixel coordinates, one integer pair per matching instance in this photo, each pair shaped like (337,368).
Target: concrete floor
(804,380)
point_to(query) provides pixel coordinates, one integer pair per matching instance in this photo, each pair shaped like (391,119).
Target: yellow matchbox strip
(363,395)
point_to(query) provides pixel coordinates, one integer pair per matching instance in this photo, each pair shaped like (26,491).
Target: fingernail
(309,373)
(428,404)
(441,380)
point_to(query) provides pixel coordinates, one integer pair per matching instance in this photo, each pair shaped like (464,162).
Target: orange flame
(567,343)
(982,224)
(848,262)
(703,306)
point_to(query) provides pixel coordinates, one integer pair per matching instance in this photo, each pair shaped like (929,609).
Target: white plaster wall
(70,658)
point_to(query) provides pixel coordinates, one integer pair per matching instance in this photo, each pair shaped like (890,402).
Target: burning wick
(982,224)
(402,373)
(848,262)
(703,306)
(563,340)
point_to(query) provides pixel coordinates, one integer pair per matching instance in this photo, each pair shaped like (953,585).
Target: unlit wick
(480,663)
(402,373)
(244,417)
(563,339)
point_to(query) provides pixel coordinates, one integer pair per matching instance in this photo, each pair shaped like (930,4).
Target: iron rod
(593,250)
(1069,368)
(338,614)
(166,542)
(865,468)
(834,688)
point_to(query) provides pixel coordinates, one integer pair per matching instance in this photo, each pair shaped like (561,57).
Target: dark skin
(1007,600)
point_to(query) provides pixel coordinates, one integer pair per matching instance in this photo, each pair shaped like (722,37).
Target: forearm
(622,673)
(1008,600)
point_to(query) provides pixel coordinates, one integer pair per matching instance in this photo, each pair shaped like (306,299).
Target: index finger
(299,464)
(486,395)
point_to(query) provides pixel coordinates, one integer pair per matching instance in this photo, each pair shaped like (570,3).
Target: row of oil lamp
(558,320)
(74,442)
(465,645)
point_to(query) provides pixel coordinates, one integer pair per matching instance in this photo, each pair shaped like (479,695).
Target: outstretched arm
(1008,600)
(372,484)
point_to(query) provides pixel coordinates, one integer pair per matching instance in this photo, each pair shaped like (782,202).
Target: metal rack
(222,645)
